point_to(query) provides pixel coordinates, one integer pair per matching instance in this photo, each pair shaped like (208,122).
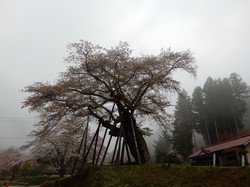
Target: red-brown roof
(221,146)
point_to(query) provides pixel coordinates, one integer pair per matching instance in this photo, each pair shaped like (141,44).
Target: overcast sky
(34,34)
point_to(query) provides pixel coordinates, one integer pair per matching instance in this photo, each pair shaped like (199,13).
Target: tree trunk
(216,131)
(134,138)
(132,134)
(61,172)
(208,135)
(62,167)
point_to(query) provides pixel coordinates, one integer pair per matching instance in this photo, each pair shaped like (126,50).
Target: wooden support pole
(117,160)
(85,143)
(90,146)
(128,153)
(106,150)
(114,153)
(122,154)
(96,141)
(135,141)
(78,152)
(100,150)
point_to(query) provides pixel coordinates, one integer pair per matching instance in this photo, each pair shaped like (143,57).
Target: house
(234,152)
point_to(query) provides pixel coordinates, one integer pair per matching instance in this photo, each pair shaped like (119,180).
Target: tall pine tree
(220,107)
(183,126)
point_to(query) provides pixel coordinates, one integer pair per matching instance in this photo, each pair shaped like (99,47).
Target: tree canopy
(215,111)
(11,161)
(58,147)
(113,87)
(219,107)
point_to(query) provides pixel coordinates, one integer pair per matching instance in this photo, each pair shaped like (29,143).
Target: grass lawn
(154,175)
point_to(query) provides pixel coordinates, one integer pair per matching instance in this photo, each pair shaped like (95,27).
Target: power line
(16,120)
(14,137)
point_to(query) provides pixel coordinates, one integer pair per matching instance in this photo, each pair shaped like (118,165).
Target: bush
(173,159)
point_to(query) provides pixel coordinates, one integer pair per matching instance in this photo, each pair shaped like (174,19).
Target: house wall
(248,154)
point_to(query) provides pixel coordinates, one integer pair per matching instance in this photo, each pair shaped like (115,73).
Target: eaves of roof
(243,140)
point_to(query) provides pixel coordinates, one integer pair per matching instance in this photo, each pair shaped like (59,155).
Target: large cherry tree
(114,87)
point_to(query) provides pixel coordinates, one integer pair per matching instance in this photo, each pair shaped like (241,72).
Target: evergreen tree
(162,146)
(240,91)
(199,114)
(183,126)
(219,108)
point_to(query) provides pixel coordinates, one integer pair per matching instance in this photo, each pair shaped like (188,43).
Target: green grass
(31,180)
(155,176)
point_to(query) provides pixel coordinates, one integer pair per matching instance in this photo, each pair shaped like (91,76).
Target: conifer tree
(183,126)
(220,108)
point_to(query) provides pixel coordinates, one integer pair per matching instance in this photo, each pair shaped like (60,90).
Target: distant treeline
(217,111)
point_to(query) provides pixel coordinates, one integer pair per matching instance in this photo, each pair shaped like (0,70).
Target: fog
(34,34)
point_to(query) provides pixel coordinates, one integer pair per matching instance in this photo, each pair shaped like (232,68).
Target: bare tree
(99,78)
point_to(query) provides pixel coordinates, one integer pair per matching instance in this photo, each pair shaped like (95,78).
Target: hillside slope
(156,176)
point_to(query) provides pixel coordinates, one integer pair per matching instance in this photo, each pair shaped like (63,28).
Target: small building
(233,152)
